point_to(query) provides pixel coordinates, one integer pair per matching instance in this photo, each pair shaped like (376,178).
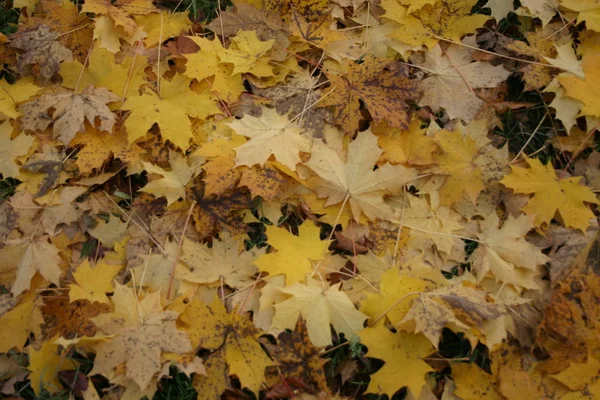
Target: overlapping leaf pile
(230,198)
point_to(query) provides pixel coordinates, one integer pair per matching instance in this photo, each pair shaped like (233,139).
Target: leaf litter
(300,199)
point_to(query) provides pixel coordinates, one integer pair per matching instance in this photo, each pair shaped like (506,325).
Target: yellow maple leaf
(469,160)
(409,147)
(585,90)
(123,79)
(320,306)
(550,194)
(396,296)
(93,283)
(589,12)
(354,181)
(578,375)
(120,11)
(402,353)
(45,364)
(449,19)
(170,111)
(473,383)
(295,254)
(207,64)
(270,134)
(19,322)
(214,328)
(248,54)
(12,95)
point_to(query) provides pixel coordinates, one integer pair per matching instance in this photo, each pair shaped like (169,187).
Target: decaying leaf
(42,54)
(383,85)
(70,111)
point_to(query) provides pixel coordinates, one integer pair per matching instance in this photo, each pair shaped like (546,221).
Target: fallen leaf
(354,180)
(320,307)
(383,85)
(551,194)
(70,111)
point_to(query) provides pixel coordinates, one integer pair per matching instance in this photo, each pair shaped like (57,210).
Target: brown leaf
(42,54)
(384,87)
(214,213)
(570,321)
(297,359)
(71,320)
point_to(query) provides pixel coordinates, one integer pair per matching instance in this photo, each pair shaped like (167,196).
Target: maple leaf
(394,286)
(11,149)
(461,308)
(70,111)
(40,51)
(551,194)
(295,254)
(337,44)
(384,87)
(20,321)
(248,54)
(588,12)
(447,19)
(172,185)
(96,148)
(12,95)
(155,270)
(271,134)
(320,306)
(235,335)
(266,182)
(71,319)
(45,364)
(221,212)
(267,25)
(141,331)
(505,254)
(469,160)
(93,283)
(120,11)
(170,110)
(473,383)
(296,357)
(74,30)
(207,63)
(220,172)
(28,257)
(162,25)
(453,78)
(535,76)
(223,262)
(584,89)
(123,79)
(292,96)
(402,353)
(437,224)
(355,181)
(409,147)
